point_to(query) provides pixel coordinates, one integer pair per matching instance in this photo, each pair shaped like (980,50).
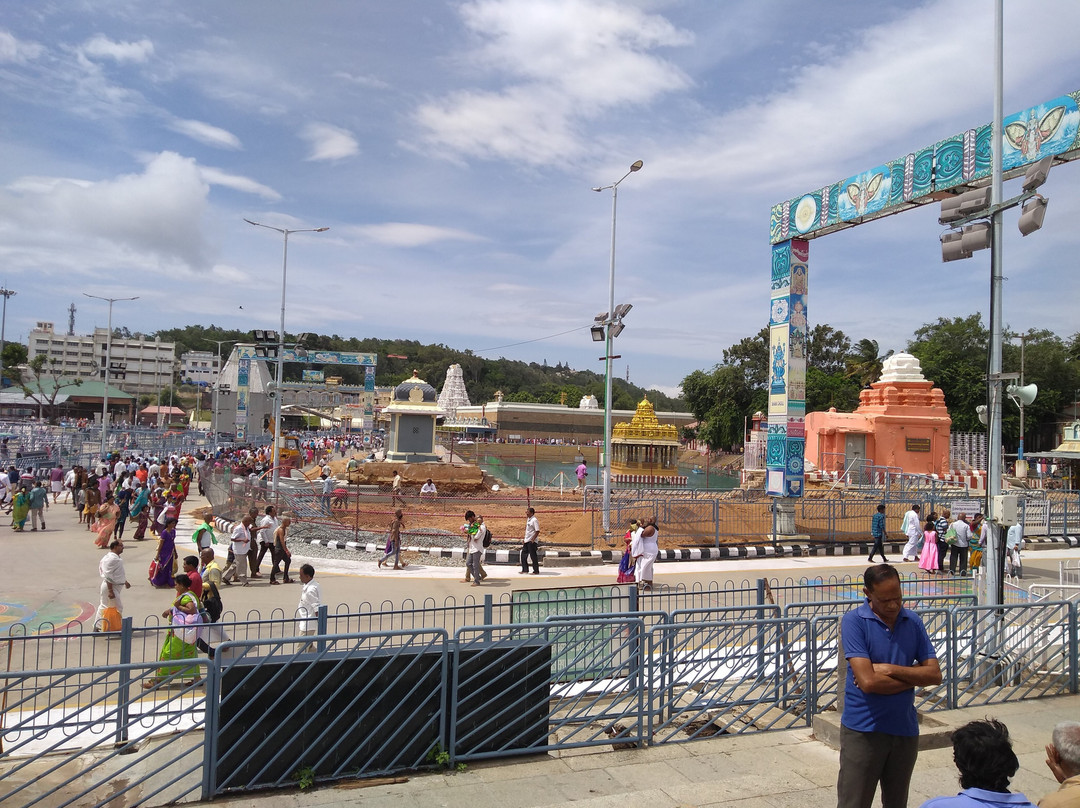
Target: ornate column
(786,440)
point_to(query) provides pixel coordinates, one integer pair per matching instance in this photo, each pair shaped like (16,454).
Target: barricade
(574,668)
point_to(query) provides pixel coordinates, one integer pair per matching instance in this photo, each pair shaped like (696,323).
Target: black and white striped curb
(765,550)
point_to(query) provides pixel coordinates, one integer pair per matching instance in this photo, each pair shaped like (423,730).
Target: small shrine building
(413,411)
(644,451)
(901,422)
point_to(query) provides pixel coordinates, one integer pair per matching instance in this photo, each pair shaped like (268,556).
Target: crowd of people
(940,538)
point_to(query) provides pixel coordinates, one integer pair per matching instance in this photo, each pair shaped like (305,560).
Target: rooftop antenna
(71,320)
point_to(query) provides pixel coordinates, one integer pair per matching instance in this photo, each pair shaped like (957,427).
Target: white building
(147,364)
(199,366)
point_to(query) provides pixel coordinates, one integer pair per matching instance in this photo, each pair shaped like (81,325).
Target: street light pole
(607,346)
(108,359)
(3,323)
(993,589)
(275,456)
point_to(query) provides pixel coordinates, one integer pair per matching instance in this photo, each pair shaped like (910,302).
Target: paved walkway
(53,574)
(775,770)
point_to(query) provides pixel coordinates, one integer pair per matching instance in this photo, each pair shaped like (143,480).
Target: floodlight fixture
(952,247)
(974,201)
(1032,215)
(1037,173)
(597,332)
(976,237)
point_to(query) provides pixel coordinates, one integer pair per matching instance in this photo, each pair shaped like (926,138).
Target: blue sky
(450,147)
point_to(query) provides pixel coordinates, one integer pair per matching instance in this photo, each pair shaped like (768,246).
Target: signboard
(329,357)
(963,159)
(917,444)
(315,376)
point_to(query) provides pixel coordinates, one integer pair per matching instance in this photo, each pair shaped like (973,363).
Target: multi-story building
(147,364)
(199,366)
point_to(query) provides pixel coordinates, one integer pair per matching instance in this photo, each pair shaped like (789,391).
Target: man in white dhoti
(645,547)
(912,528)
(113,579)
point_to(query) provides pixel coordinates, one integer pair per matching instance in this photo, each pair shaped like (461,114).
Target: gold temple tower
(644,451)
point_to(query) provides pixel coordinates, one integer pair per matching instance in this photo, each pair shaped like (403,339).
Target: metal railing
(281,706)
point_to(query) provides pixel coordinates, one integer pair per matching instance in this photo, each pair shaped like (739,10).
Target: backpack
(487,537)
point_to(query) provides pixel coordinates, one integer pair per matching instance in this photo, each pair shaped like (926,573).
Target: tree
(953,355)
(47,384)
(14,355)
(827,349)
(864,365)
(720,401)
(1048,364)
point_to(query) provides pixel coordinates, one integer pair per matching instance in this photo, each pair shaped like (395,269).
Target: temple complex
(901,423)
(644,451)
(453,393)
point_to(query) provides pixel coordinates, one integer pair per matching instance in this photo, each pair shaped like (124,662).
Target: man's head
(248,520)
(530,511)
(881,585)
(1067,743)
(207,555)
(307,572)
(984,755)
(253,512)
(116,546)
(915,508)
(469,516)
(881,509)
(397,513)
(191,564)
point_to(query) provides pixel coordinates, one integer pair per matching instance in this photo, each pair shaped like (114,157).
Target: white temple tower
(453,393)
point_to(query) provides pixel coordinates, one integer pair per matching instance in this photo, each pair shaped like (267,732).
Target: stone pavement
(762,770)
(53,575)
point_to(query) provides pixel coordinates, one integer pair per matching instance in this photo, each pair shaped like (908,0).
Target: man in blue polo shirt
(889,654)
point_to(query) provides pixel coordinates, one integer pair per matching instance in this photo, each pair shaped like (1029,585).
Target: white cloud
(206,133)
(363,81)
(329,142)
(17,51)
(838,112)
(215,176)
(568,61)
(408,234)
(157,214)
(102,47)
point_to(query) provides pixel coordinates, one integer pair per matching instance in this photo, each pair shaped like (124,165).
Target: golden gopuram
(644,451)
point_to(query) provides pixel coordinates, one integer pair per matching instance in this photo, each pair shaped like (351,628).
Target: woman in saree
(21,509)
(166,556)
(106,521)
(180,641)
(626,565)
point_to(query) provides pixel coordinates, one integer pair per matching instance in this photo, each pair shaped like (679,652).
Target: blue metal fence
(552,672)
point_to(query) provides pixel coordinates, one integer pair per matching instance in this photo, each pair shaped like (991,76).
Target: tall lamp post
(108,359)
(3,323)
(609,336)
(275,458)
